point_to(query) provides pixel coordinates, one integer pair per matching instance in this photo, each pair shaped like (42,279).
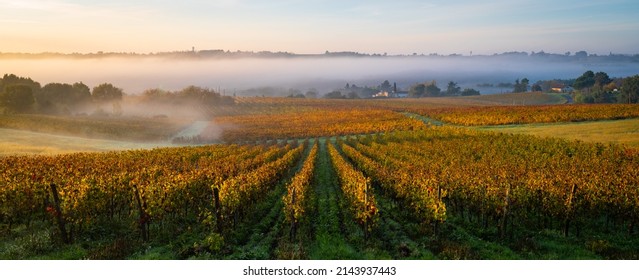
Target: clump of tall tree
(24,95)
(470,92)
(427,89)
(598,87)
(430,89)
(107,94)
(18,94)
(629,90)
(593,87)
(17,98)
(56,98)
(353,91)
(190,95)
(521,86)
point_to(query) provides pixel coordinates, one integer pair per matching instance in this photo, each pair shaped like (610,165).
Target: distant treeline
(386,90)
(430,89)
(24,95)
(593,87)
(590,87)
(580,56)
(191,95)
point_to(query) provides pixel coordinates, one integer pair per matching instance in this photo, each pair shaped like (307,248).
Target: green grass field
(625,132)
(20,142)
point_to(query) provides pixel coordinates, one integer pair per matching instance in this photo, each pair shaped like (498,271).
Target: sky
(316,26)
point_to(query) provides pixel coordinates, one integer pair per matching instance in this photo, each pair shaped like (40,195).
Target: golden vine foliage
(356,188)
(247,187)
(419,191)
(296,198)
(505,176)
(501,115)
(172,183)
(315,123)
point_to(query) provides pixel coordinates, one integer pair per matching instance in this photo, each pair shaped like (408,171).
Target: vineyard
(324,122)
(335,180)
(500,115)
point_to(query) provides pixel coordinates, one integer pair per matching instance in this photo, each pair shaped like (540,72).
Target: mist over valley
(323,73)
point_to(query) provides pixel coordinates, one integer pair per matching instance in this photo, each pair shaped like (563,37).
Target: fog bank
(135,74)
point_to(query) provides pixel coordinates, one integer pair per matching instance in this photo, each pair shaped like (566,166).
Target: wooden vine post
(569,209)
(504,214)
(58,215)
(218,209)
(366,211)
(144,220)
(439,199)
(293,218)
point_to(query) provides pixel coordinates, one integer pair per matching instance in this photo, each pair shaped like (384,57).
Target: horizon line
(327,52)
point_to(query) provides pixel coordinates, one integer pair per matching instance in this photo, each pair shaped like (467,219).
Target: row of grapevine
(164,186)
(421,193)
(313,123)
(298,190)
(511,180)
(246,188)
(501,115)
(356,188)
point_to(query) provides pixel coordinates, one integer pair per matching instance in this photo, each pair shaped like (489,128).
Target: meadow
(282,178)
(622,132)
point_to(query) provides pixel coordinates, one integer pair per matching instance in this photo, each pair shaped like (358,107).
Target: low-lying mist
(233,75)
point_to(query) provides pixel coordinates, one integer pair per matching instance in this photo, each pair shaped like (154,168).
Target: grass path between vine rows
(267,226)
(329,241)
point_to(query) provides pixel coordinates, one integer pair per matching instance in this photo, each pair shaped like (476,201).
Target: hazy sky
(314,26)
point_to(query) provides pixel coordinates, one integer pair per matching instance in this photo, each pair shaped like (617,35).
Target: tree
(107,93)
(64,94)
(11,79)
(581,54)
(469,92)
(386,86)
(336,94)
(311,93)
(156,95)
(81,93)
(428,89)
(521,86)
(601,79)
(612,86)
(417,90)
(602,96)
(536,87)
(55,93)
(453,89)
(194,94)
(17,98)
(187,96)
(295,92)
(586,80)
(352,95)
(630,90)
(433,90)
(582,97)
